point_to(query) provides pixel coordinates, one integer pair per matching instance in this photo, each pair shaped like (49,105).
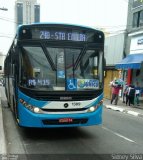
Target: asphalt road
(119,134)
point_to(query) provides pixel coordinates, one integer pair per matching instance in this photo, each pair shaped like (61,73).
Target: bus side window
(14,62)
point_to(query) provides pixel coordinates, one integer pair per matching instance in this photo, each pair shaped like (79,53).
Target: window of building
(19,13)
(37,13)
(141,19)
(136,20)
(137,3)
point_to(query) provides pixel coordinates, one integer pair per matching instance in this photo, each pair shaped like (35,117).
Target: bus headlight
(93,108)
(36,110)
(30,107)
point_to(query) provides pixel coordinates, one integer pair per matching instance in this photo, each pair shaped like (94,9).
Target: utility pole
(4,9)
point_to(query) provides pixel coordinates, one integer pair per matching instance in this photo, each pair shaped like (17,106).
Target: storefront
(110,74)
(133,63)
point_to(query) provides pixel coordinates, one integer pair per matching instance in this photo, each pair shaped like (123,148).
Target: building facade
(27,12)
(114,52)
(134,44)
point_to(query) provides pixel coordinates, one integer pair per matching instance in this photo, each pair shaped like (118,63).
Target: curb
(115,108)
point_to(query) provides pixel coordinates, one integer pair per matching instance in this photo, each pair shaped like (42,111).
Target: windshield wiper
(80,57)
(73,65)
(56,69)
(49,58)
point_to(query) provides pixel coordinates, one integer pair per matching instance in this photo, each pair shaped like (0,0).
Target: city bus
(54,75)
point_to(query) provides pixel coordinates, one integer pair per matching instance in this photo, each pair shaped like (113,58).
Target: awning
(132,61)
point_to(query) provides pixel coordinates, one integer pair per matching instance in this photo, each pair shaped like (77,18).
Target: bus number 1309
(76,103)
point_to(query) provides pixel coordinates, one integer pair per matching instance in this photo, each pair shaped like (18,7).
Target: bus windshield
(61,68)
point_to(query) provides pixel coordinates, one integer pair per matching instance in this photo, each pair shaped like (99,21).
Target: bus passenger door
(12,81)
(11,88)
(14,88)
(7,77)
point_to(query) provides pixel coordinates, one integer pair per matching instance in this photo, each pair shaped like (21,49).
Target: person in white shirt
(137,93)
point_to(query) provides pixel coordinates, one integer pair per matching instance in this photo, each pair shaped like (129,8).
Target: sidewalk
(2,135)
(121,107)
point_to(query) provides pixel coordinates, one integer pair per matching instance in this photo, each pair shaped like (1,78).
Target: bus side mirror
(104,63)
(104,67)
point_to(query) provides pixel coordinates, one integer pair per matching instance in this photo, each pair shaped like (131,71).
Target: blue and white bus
(54,75)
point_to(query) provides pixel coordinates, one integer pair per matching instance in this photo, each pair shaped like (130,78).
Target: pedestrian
(125,93)
(115,91)
(137,93)
(130,95)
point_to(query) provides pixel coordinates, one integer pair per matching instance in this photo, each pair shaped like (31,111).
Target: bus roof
(59,31)
(58,24)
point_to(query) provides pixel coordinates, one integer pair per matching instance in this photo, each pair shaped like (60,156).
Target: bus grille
(64,110)
(61,95)
(56,122)
(66,97)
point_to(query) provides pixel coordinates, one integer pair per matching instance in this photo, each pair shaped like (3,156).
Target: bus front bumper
(30,119)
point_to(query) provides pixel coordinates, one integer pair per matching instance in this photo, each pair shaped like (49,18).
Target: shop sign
(136,45)
(140,41)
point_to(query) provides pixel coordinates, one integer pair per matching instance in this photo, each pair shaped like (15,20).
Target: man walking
(115,91)
(130,95)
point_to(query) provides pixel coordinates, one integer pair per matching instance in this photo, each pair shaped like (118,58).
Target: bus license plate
(65,120)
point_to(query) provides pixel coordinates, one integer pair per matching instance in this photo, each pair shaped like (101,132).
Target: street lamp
(4,9)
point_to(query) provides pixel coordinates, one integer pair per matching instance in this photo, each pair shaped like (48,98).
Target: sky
(110,15)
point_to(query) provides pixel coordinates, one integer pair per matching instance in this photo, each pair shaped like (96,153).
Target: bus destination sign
(56,34)
(59,35)
(62,36)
